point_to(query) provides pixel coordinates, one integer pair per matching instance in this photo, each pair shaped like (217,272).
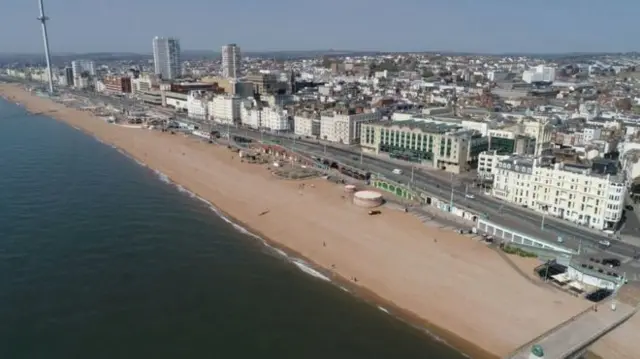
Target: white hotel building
(568,191)
(197,105)
(225,109)
(254,115)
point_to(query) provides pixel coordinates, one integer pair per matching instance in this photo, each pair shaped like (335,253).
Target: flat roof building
(443,146)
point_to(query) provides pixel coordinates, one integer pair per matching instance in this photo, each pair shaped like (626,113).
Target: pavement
(580,332)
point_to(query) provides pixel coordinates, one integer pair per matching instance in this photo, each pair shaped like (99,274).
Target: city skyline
(492,26)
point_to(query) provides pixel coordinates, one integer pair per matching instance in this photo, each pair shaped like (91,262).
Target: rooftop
(429,127)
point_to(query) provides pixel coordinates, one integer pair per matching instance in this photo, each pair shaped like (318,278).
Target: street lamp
(451,200)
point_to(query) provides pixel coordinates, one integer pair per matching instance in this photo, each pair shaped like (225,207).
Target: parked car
(611,262)
(374,212)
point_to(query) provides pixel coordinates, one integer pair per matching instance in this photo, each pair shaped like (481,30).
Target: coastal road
(501,213)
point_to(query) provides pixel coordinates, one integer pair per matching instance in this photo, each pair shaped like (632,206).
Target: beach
(458,288)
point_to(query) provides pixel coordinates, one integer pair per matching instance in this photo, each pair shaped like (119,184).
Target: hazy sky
(399,25)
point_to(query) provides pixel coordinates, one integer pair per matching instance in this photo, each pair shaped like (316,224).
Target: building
(198,105)
(230,61)
(251,114)
(442,146)
(275,119)
(345,126)
(264,83)
(144,83)
(166,57)
(82,71)
(117,84)
(488,162)
(307,125)
(225,109)
(226,85)
(82,82)
(570,191)
(84,68)
(539,73)
(68,76)
(526,137)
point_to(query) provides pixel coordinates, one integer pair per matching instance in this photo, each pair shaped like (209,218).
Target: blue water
(101,259)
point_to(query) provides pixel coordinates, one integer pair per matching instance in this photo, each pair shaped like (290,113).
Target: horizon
(492,27)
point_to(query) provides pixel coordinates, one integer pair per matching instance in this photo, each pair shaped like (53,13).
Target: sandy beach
(458,288)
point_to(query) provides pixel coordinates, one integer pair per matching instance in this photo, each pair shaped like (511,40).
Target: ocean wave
(299,263)
(307,269)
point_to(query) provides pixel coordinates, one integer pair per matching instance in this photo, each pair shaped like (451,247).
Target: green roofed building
(445,146)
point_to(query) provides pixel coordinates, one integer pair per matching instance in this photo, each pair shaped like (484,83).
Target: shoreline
(431,330)
(431,323)
(434,332)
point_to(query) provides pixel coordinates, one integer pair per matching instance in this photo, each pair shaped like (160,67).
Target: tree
(427,73)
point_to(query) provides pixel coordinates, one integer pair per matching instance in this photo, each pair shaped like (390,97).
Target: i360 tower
(43,20)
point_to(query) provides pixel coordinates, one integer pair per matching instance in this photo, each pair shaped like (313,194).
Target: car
(604,243)
(629,207)
(611,262)
(374,212)
(470,196)
(397,171)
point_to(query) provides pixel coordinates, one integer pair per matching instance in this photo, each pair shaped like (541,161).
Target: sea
(101,257)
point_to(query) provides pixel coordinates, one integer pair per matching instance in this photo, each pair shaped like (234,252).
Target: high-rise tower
(230,60)
(166,57)
(43,20)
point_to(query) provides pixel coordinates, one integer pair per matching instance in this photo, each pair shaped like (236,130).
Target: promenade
(575,336)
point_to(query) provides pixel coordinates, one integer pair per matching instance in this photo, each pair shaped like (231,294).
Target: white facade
(251,116)
(81,82)
(225,109)
(275,119)
(488,162)
(230,60)
(177,103)
(564,191)
(539,73)
(166,57)
(591,278)
(197,105)
(345,128)
(590,134)
(143,83)
(80,66)
(304,126)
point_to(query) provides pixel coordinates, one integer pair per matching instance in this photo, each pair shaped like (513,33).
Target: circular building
(367,199)
(349,188)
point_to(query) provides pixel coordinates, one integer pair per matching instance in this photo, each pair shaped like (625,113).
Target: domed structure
(367,199)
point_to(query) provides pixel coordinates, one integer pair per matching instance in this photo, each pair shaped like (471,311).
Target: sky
(483,26)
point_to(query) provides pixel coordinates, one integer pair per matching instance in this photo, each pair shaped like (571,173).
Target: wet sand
(456,287)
